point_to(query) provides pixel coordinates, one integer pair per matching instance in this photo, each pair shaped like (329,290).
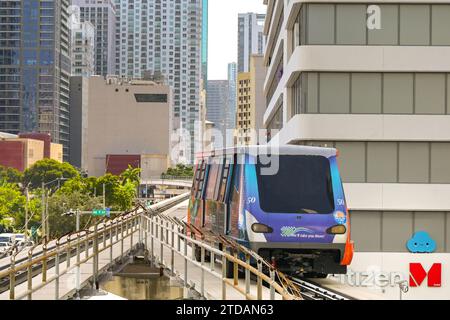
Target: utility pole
(47,222)
(43,211)
(26,214)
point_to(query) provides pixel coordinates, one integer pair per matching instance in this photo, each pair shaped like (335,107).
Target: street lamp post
(26,213)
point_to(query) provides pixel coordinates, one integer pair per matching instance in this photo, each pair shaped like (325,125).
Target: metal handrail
(125,221)
(125,225)
(166,225)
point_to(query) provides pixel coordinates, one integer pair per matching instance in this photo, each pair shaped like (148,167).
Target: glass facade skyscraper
(35,68)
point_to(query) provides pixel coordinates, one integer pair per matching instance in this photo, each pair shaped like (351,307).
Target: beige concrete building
(250,102)
(243,108)
(22,152)
(56,152)
(376,87)
(126,122)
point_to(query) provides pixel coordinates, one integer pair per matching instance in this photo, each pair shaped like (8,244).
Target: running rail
(312,291)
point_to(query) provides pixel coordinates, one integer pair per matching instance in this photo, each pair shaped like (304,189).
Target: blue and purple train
(287,204)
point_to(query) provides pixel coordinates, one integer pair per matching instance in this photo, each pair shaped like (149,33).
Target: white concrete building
(232,95)
(165,37)
(370,78)
(102,15)
(251,38)
(82,49)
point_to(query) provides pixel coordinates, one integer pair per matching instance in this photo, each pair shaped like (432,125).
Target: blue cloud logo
(421,242)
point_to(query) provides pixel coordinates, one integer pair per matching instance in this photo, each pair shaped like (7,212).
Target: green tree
(12,205)
(10,175)
(76,184)
(180,170)
(91,185)
(110,181)
(124,195)
(61,203)
(48,170)
(34,214)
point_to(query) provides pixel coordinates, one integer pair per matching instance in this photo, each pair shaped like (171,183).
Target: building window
(345,24)
(155,98)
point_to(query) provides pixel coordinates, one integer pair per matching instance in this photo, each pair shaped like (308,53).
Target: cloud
(421,242)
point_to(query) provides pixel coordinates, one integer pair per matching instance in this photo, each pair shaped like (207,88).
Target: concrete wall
(34,151)
(12,154)
(56,152)
(46,138)
(21,153)
(257,76)
(79,94)
(153,165)
(119,123)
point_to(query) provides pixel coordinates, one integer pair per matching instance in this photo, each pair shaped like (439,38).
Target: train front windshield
(301,185)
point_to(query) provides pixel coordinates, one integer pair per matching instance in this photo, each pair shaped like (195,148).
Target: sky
(223,28)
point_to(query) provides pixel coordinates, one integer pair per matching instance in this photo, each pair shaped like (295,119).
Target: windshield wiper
(310,211)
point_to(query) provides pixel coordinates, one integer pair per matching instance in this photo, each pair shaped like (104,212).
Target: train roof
(273,150)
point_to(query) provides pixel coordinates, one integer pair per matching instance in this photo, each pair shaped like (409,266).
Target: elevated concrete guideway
(187,183)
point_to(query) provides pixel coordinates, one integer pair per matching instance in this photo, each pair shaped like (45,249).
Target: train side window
(195,180)
(200,179)
(218,180)
(212,181)
(224,179)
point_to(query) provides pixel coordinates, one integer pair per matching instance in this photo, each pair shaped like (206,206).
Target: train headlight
(261,228)
(338,229)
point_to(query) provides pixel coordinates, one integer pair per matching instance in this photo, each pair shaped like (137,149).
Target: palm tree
(132,175)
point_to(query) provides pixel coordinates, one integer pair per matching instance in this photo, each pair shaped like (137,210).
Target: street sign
(34,231)
(101,212)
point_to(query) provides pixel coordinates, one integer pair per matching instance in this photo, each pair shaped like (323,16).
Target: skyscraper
(35,68)
(217,103)
(102,14)
(251,103)
(251,39)
(232,96)
(205,43)
(165,36)
(82,42)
